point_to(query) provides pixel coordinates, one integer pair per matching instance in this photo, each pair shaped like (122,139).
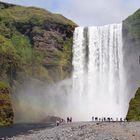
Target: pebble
(87,131)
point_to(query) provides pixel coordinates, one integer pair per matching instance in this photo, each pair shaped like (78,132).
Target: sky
(87,12)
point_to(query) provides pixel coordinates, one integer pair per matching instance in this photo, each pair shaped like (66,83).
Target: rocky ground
(87,131)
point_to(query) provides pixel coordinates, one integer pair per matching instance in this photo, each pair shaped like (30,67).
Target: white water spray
(98,73)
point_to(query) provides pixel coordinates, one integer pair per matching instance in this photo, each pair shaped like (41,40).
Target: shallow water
(20,128)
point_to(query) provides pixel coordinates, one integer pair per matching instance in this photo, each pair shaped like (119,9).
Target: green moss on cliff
(3,85)
(134,108)
(132,25)
(31,43)
(6,111)
(66,59)
(9,58)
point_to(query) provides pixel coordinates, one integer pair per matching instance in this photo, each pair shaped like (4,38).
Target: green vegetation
(9,58)
(34,43)
(134,108)
(36,16)
(131,44)
(3,85)
(66,59)
(19,57)
(132,25)
(6,111)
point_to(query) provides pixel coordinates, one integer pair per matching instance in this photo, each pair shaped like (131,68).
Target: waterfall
(98,87)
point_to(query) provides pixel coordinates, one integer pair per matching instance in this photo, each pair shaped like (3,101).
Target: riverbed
(86,131)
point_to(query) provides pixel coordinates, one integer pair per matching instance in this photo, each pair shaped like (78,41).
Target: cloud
(88,12)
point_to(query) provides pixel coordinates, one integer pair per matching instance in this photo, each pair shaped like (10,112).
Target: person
(96,118)
(108,119)
(57,123)
(62,120)
(92,118)
(125,119)
(68,119)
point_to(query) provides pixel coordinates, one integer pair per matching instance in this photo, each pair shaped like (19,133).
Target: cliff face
(131,38)
(34,43)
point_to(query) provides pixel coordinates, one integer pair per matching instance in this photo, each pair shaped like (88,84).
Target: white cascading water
(98,73)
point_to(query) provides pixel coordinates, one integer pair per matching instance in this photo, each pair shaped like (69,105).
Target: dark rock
(52,119)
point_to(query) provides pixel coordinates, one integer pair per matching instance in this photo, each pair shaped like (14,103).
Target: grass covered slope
(6,111)
(134,108)
(10,12)
(131,26)
(131,49)
(34,43)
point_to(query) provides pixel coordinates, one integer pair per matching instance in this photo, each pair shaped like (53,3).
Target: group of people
(69,119)
(59,121)
(103,119)
(108,119)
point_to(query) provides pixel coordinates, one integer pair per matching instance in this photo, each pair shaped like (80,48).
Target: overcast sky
(87,12)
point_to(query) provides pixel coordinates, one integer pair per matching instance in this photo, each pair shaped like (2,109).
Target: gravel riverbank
(87,131)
